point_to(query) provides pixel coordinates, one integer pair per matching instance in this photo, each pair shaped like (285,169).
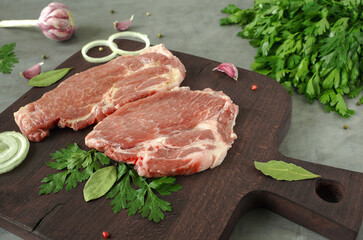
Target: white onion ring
(115,49)
(15,148)
(95,43)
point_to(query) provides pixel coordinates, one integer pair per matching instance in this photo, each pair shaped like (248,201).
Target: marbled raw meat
(88,97)
(177,132)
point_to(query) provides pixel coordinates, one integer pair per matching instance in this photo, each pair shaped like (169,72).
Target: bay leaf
(45,79)
(281,170)
(100,183)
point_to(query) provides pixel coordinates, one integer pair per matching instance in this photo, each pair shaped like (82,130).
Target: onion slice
(14,148)
(115,49)
(96,43)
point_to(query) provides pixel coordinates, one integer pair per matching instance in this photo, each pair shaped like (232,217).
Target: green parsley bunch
(314,46)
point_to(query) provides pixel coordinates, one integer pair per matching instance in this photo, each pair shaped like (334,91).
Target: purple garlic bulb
(56,21)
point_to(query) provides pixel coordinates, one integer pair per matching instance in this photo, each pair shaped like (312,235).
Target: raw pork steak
(177,132)
(88,97)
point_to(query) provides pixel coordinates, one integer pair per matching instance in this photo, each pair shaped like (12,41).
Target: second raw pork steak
(177,132)
(88,97)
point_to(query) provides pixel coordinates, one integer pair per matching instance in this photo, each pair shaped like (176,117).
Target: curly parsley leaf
(154,207)
(165,185)
(77,165)
(7,58)
(141,197)
(53,182)
(312,46)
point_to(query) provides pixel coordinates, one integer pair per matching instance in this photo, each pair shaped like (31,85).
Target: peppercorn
(105,235)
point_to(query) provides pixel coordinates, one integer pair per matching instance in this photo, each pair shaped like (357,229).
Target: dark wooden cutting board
(211,202)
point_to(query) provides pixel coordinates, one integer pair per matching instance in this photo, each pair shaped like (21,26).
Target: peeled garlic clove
(32,71)
(121,26)
(229,69)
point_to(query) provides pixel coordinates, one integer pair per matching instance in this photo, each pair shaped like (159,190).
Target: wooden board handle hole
(329,190)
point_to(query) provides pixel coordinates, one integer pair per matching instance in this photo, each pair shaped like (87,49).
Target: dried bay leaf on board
(281,170)
(100,183)
(45,79)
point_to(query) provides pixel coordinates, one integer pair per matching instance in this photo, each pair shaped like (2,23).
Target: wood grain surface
(211,202)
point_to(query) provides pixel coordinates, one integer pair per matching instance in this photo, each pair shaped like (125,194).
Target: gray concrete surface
(191,27)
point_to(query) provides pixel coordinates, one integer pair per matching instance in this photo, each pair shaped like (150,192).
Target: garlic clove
(32,71)
(122,26)
(229,69)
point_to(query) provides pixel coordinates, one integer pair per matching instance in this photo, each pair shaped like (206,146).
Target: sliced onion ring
(14,148)
(96,43)
(127,34)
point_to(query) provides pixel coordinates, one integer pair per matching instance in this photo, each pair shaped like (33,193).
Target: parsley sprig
(143,199)
(312,46)
(7,58)
(77,165)
(131,192)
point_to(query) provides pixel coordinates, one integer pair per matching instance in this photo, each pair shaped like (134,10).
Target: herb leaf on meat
(314,47)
